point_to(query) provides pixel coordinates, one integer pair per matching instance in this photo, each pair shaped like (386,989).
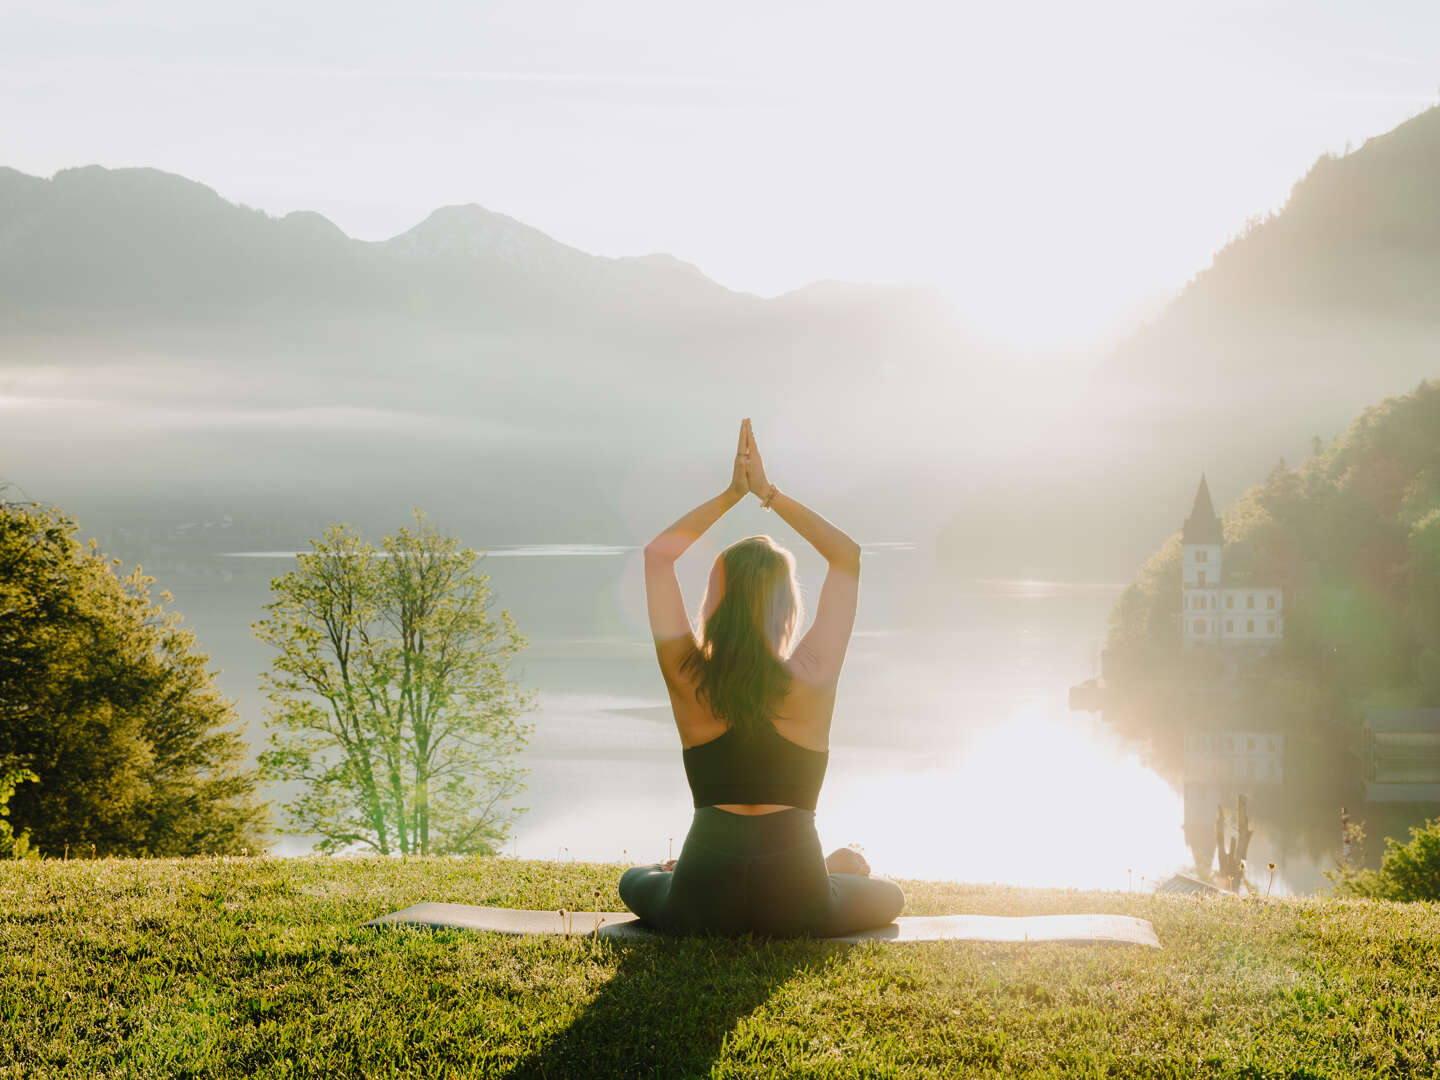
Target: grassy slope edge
(258,967)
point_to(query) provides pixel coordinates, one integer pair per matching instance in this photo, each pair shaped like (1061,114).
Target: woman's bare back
(803,716)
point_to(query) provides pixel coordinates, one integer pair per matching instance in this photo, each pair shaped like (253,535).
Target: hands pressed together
(749,472)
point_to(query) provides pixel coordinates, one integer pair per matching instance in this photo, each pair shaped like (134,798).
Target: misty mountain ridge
(1341,284)
(157,340)
(470,231)
(93,236)
(148,240)
(100,263)
(473,357)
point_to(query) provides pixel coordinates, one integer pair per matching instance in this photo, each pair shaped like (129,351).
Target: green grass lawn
(259,967)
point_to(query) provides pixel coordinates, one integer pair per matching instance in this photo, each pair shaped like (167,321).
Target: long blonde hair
(750,616)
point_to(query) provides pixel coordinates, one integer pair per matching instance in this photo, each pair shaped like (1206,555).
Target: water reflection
(1297,814)
(1037,799)
(1040,798)
(953,755)
(1296,782)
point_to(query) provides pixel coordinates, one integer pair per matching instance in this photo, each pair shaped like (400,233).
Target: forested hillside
(1353,536)
(1339,286)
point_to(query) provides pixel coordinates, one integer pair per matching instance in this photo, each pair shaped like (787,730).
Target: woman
(753,709)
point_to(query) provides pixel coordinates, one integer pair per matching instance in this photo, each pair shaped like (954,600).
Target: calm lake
(953,755)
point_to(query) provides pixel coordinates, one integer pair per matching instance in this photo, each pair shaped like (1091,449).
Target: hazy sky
(1058,168)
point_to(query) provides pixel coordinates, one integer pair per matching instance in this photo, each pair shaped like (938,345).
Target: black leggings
(763,874)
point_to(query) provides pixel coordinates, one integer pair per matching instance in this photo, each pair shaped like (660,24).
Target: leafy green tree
(1424,585)
(1353,536)
(1148,611)
(106,701)
(391,707)
(1409,871)
(12,846)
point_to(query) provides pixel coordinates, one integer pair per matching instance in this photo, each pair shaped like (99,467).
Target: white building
(1256,757)
(1213,610)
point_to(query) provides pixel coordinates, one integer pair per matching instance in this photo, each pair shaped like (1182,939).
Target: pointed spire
(1203,506)
(1202,526)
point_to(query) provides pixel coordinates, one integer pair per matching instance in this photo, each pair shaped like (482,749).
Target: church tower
(1202,543)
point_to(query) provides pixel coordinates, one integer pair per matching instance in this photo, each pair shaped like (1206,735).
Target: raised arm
(832,542)
(676,540)
(669,622)
(821,652)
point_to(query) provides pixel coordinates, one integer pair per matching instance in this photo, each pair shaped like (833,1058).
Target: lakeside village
(1266,774)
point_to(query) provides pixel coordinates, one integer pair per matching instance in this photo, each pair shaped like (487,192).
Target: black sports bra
(765,768)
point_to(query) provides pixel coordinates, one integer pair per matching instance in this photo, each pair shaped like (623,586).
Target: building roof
(1202,526)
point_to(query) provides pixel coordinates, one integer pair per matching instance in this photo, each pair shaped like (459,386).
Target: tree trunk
(1231,856)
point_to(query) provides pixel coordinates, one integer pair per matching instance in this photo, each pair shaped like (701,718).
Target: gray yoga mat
(1077,929)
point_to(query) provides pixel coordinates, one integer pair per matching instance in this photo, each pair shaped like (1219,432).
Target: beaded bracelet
(769,496)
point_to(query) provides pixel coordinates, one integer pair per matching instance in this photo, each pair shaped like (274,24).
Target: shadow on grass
(668,1007)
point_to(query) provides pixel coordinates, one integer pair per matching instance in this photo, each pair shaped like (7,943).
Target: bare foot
(847,861)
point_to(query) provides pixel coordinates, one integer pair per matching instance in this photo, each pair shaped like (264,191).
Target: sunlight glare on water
(953,755)
(1047,798)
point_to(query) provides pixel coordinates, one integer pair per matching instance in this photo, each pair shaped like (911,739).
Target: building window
(1230,601)
(1229,626)
(1249,626)
(1270,602)
(1202,556)
(1270,625)
(1250,745)
(1199,626)
(1202,576)
(1249,600)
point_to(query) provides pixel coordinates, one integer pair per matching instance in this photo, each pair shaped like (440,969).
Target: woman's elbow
(848,557)
(657,551)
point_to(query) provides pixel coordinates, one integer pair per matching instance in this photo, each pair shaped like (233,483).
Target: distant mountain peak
(663,261)
(311,223)
(135,181)
(470,230)
(15,178)
(151,244)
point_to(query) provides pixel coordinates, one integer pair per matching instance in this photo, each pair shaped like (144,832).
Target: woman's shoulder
(804,717)
(694,721)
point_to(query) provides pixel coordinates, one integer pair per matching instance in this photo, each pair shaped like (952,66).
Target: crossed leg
(856,901)
(860,902)
(645,890)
